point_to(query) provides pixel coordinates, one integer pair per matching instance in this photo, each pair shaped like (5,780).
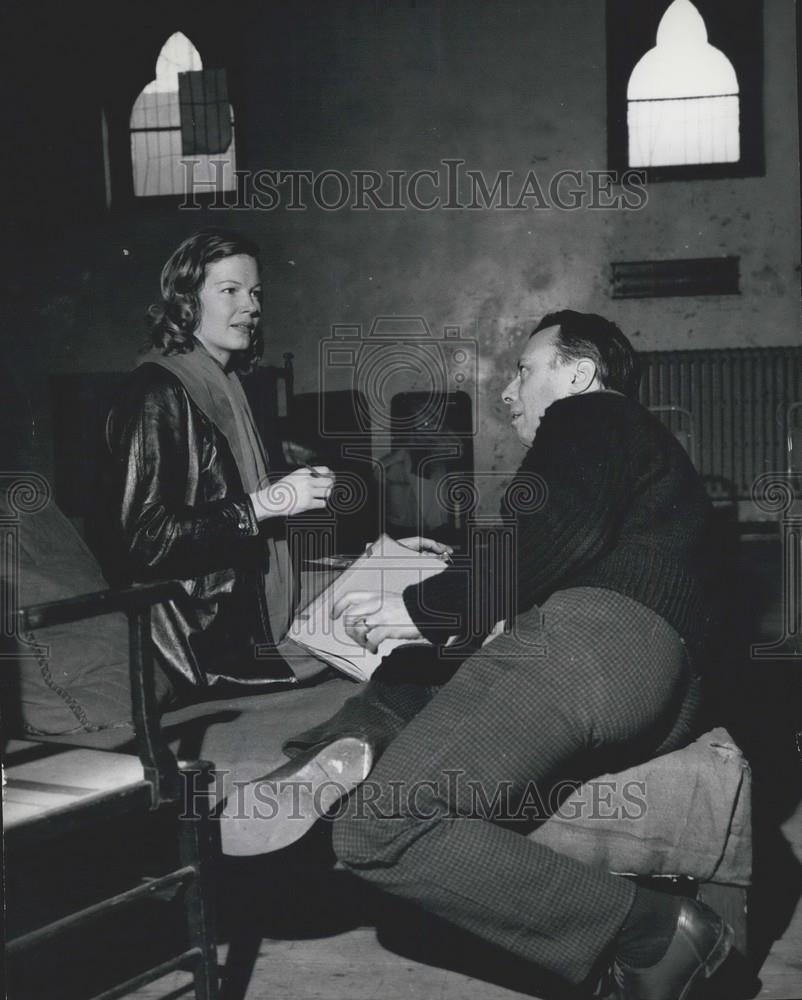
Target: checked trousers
(592,681)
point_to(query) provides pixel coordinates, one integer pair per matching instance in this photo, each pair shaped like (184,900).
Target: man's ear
(584,375)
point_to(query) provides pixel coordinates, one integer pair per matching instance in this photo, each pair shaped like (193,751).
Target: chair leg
(194,840)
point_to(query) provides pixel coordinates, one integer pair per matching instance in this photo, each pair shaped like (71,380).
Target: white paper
(389,567)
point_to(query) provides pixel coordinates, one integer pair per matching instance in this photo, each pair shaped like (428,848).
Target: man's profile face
(542,378)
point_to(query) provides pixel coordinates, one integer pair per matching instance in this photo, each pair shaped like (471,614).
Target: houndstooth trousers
(590,682)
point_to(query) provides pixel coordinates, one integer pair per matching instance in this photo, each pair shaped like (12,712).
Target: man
(598,671)
(610,590)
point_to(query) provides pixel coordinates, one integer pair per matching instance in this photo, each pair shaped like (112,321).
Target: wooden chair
(52,791)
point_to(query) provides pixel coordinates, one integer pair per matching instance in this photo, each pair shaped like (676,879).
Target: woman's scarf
(220,396)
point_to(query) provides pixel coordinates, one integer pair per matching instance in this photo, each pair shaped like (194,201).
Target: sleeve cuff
(437,606)
(247,524)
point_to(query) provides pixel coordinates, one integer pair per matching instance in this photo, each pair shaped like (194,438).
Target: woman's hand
(302,490)
(371,617)
(420,544)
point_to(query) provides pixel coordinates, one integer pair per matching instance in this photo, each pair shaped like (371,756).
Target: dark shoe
(277,809)
(701,942)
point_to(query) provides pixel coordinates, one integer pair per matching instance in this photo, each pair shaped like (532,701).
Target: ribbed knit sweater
(624,510)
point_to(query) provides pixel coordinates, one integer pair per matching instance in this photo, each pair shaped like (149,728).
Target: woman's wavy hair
(175,318)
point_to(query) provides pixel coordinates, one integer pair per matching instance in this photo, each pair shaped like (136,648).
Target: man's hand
(419,544)
(371,617)
(302,490)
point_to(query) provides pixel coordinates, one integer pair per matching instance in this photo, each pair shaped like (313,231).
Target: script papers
(385,567)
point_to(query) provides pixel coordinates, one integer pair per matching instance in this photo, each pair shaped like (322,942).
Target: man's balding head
(587,335)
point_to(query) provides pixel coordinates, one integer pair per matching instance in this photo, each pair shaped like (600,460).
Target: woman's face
(231,303)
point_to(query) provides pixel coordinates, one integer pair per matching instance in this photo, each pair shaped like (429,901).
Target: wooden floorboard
(355,966)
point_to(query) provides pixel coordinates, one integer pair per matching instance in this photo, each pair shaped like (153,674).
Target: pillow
(685,813)
(69,678)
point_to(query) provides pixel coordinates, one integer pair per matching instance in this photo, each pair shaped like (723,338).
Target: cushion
(684,813)
(69,678)
(242,735)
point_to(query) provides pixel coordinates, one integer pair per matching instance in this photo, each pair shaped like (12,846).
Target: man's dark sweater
(625,511)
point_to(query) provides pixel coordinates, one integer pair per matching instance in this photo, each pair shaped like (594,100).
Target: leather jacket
(184,515)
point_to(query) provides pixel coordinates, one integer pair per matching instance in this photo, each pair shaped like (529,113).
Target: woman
(193,490)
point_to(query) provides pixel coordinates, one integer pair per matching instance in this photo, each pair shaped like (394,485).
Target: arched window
(182,126)
(684,88)
(682,99)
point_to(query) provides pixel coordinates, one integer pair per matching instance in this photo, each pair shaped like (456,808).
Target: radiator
(734,410)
